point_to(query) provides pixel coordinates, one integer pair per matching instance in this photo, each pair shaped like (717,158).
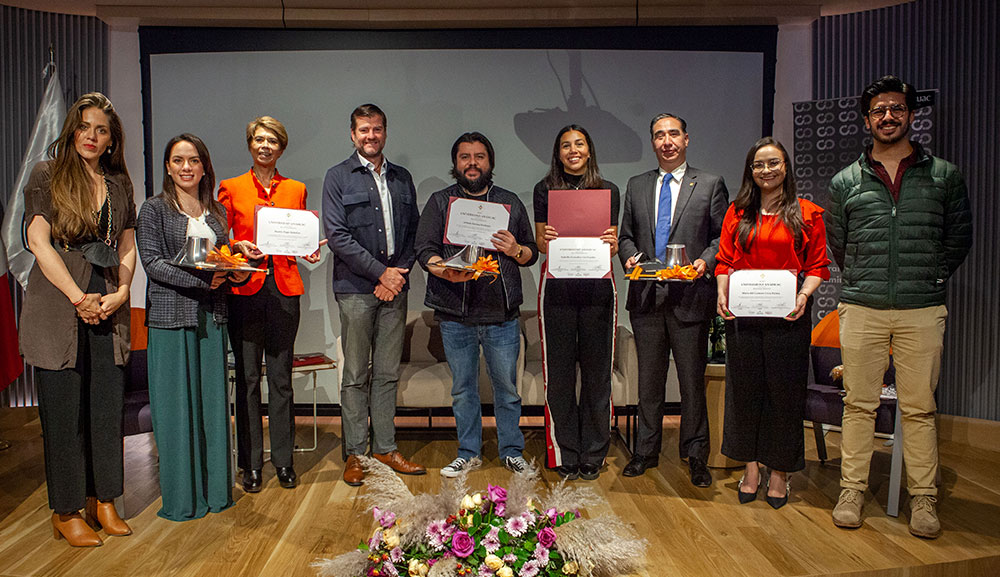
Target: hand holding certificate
(762,293)
(474,222)
(580,217)
(286,231)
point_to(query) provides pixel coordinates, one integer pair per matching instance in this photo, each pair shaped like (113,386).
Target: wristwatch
(520,251)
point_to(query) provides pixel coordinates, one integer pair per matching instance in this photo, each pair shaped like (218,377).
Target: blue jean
(501,344)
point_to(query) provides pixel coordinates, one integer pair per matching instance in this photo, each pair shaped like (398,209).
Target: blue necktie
(663,218)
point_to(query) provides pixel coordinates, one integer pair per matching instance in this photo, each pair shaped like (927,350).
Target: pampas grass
(521,489)
(349,564)
(602,547)
(565,497)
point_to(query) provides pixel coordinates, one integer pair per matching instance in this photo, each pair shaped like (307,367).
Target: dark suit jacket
(352,223)
(697,222)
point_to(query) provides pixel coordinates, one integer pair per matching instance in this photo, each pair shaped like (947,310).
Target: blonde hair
(71,186)
(271,124)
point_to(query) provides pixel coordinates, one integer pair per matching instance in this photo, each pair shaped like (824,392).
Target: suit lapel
(650,195)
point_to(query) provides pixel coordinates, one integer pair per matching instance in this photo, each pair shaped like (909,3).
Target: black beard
(475,185)
(900,136)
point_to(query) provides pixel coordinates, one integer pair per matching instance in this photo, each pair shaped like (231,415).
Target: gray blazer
(697,223)
(174,294)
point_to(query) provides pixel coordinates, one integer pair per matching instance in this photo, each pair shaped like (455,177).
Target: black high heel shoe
(779,502)
(747,497)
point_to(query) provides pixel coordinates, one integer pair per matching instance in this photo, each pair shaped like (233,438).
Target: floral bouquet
(502,532)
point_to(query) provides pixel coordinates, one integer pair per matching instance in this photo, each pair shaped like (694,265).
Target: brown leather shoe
(75,530)
(103,514)
(354,474)
(399,463)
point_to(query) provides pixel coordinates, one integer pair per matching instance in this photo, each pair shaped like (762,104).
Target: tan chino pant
(916,337)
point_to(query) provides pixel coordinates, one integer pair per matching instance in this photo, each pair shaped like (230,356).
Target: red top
(240,196)
(772,246)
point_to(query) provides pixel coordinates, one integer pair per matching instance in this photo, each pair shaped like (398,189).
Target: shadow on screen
(612,137)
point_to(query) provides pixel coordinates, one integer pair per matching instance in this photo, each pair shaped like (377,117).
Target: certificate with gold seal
(762,293)
(286,231)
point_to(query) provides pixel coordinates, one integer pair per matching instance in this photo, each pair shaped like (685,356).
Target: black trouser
(264,324)
(578,322)
(82,409)
(656,335)
(767,370)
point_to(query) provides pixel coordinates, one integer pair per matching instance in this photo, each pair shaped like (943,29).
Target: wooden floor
(692,532)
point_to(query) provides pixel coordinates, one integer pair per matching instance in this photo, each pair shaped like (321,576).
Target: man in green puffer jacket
(899,225)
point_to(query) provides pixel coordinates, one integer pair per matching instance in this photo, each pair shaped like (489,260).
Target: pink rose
(496,493)
(462,544)
(547,537)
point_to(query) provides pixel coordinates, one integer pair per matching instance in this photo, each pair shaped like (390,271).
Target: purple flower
(496,493)
(516,526)
(376,540)
(541,554)
(491,542)
(500,509)
(547,537)
(529,569)
(552,514)
(389,569)
(438,533)
(396,555)
(509,558)
(462,544)
(388,519)
(485,571)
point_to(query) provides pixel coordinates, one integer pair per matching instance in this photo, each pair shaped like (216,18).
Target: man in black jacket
(481,312)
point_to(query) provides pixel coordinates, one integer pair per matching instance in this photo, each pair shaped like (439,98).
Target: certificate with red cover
(580,217)
(580,212)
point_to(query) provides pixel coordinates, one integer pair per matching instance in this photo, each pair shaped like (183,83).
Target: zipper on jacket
(893,253)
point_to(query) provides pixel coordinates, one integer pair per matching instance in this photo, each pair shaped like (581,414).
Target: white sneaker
(460,464)
(516,464)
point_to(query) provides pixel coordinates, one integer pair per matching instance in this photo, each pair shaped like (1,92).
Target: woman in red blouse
(767,359)
(264,312)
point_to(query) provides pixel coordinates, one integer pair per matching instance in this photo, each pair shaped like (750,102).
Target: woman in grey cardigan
(186,316)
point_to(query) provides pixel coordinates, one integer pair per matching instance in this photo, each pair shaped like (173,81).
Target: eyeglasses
(879,112)
(773,164)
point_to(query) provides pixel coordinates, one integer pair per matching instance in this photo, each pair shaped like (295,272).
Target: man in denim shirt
(481,312)
(370,220)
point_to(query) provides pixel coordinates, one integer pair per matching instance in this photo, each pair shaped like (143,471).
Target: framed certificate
(286,231)
(578,257)
(762,293)
(473,222)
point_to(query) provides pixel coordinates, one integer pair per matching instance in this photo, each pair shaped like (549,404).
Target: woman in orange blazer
(264,312)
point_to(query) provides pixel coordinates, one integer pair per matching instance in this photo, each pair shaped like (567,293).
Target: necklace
(103,216)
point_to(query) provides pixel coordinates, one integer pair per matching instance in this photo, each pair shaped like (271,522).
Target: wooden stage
(692,532)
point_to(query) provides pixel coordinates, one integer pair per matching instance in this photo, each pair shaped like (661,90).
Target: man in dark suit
(674,204)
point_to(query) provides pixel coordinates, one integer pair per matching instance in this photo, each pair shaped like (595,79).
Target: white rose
(505,571)
(570,568)
(468,503)
(493,562)
(391,538)
(477,499)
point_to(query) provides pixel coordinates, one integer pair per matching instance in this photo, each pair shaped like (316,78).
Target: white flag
(48,124)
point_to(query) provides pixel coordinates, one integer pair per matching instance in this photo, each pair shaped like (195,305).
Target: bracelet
(805,294)
(520,251)
(83,298)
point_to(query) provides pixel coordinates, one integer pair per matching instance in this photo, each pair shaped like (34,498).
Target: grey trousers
(372,339)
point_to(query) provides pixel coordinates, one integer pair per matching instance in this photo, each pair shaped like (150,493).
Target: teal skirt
(187,396)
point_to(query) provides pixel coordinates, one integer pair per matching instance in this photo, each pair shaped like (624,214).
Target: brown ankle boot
(75,530)
(103,514)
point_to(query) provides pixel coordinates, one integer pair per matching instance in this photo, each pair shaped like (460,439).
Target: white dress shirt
(677,175)
(383,194)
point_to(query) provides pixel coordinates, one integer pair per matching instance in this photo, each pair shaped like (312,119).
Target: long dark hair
(747,202)
(206,188)
(556,178)
(71,187)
